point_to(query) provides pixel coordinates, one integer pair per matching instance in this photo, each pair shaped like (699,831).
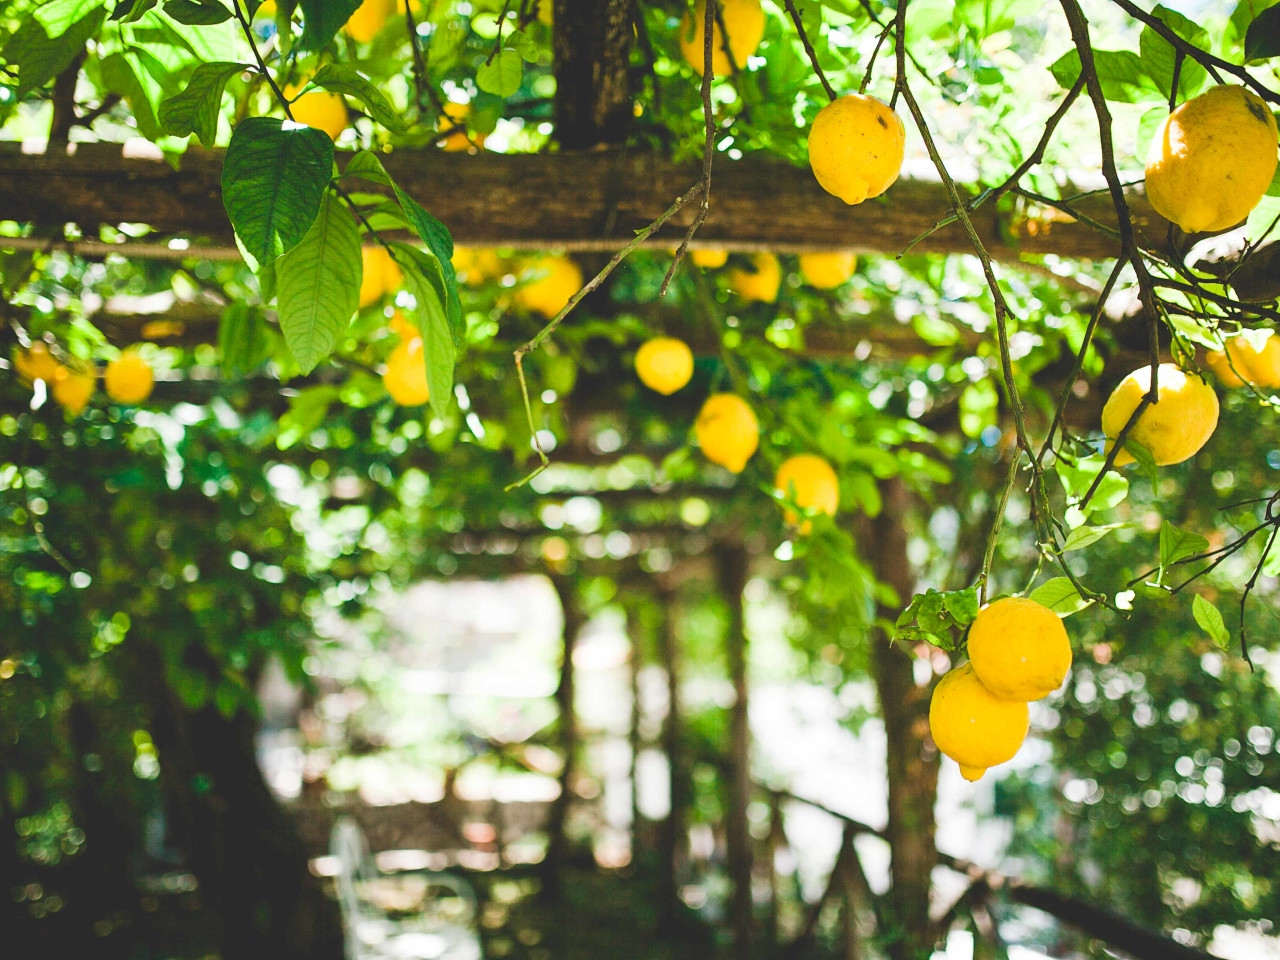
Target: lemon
(664,364)
(1019,649)
(810,482)
(1259,366)
(455,116)
(1175,426)
(826,271)
(550,282)
(856,147)
(744,21)
(1212,159)
(476,265)
(709,258)
(36,363)
(405,378)
(363,25)
(727,431)
(72,389)
(128,379)
(320,109)
(761,285)
(380,274)
(973,726)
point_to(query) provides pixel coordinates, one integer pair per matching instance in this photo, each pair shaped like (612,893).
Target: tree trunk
(557,842)
(239,842)
(731,565)
(593,92)
(913,774)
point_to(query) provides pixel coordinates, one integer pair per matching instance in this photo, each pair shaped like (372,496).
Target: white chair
(404,915)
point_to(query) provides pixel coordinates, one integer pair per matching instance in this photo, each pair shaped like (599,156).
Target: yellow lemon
(266,11)
(709,258)
(128,379)
(319,109)
(973,726)
(761,285)
(826,271)
(744,22)
(405,378)
(73,388)
(1261,367)
(380,274)
(856,146)
(36,363)
(363,25)
(1019,649)
(664,364)
(810,482)
(1175,426)
(476,265)
(1212,159)
(727,431)
(455,116)
(551,281)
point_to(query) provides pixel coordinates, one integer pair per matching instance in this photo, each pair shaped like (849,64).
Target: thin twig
(808,48)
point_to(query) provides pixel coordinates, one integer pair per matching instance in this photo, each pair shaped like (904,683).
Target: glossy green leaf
(46,42)
(197,13)
(322,19)
(1081,537)
(1158,56)
(1120,74)
(195,110)
(1178,544)
(1262,39)
(440,242)
(127,11)
(272,184)
(501,76)
(318,284)
(1059,594)
(425,280)
(1209,617)
(343,78)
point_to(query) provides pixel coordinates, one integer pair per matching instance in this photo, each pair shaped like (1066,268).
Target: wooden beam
(575,201)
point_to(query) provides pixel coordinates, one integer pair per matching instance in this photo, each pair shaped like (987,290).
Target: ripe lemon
(809,482)
(761,285)
(455,116)
(406,375)
(1174,427)
(476,265)
(363,25)
(709,258)
(380,274)
(1019,649)
(266,11)
(1261,367)
(744,21)
(973,726)
(1212,159)
(826,271)
(551,281)
(72,389)
(36,363)
(856,146)
(727,431)
(320,109)
(128,379)
(664,364)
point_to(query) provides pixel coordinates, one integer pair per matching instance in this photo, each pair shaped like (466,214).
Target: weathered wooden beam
(576,201)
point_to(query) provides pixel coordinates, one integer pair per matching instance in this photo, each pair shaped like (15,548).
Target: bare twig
(808,48)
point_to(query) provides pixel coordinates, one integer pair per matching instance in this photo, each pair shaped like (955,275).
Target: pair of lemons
(127,379)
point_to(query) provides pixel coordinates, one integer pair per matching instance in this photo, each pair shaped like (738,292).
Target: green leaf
(523,45)
(1059,594)
(1178,544)
(321,20)
(1120,73)
(318,284)
(935,331)
(1081,537)
(501,76)
(118,74)
(1158,56)
(1209,617)
(272,184)
(197,13)
(342,78)
(1078,477)
(367,166)
(45,44)
(128,11)
(440,242)
(195,109)
(425,279)
(1262,39)
(978,403)
(937,617)
(244,340)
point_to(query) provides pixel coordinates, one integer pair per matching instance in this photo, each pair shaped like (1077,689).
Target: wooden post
(671,830)
(731,566)
(557,842)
